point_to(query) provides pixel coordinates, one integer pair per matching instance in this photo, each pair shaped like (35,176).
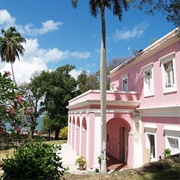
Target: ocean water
(39,121)
(38,127)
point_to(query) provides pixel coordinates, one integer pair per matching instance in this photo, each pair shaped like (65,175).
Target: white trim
(164,60)
(152,126)
(167,57)
(171,128)
(166,111)
(172,135)
(123,78)
(132,103)
(98,111)
(148,69)
(151,131)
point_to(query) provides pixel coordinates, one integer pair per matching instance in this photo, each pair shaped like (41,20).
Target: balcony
(118,99)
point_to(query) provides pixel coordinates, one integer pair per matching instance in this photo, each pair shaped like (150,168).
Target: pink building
(143,109)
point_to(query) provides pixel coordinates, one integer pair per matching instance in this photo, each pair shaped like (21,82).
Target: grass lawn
(165,169)
(10,152)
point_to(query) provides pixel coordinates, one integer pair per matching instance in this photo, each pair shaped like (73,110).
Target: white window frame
(148,69)
(112,86)
(172,135)
(164,61)
(125,78)
(151,130)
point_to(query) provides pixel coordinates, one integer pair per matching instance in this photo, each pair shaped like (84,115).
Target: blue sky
(56,34)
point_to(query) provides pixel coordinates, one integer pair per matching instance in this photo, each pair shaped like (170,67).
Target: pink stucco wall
(135,78)
(114,122)
(160,122)
(120,113)
(95,95)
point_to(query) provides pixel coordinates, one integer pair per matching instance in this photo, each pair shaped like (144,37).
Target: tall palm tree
(10,47)
(117,7)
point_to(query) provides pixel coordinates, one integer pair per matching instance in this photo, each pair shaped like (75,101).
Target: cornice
(163,111)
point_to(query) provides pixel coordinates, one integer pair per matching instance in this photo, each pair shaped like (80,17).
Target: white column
(87,137)
(80,140)
(75,126)
(137,141)
(71,130)
(97,141)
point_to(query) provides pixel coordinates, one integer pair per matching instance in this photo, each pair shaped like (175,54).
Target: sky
(57,34)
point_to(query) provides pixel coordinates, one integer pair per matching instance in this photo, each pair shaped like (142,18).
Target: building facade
(142,109)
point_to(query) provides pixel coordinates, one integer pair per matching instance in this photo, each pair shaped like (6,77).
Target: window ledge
(169,90)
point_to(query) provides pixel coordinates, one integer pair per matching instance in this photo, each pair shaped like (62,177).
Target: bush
(35,160)
(167,152)
(64,133)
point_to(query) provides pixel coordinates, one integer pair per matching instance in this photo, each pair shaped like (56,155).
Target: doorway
(151,138)
(123,144)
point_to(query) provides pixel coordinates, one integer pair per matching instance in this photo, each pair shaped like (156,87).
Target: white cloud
(75,73)
(47,26)
(5,19)
(35,59)
(126,34)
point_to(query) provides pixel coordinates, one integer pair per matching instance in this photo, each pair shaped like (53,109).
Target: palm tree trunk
(13,76)
(103,93)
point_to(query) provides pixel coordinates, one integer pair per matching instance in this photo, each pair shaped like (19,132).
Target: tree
(87,81)
(48,125)
(59,87)
(10,47)
(169,8)
(13,107)
(117,7)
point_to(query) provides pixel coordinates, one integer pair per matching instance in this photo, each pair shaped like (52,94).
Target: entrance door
(123,144)
(151,138)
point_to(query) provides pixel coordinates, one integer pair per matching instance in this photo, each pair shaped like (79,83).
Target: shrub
(35,160)
(167,152)
(64,133)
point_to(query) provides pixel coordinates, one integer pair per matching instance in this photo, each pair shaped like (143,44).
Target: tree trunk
(103,87)
(13,76)
(57,133)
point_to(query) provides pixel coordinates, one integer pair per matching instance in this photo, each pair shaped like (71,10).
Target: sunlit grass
(56,142)
(10,152)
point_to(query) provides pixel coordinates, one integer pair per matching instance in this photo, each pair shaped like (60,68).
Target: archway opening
(117,142)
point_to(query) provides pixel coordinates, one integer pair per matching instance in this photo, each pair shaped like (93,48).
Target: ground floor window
(174,145)
(172,140)
(151,143)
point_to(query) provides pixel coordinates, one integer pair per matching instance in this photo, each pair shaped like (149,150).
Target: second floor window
(125,83)
(148,80)
(169,74)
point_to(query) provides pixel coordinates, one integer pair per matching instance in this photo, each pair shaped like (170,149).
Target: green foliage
(80,161)
(64,133)
(171,9)
(59,87)
(88,81)
(13,110)
(167,152)
(35,160)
